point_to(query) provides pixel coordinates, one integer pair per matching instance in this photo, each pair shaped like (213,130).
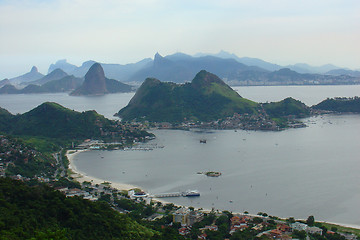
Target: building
(187,217)
(182,216)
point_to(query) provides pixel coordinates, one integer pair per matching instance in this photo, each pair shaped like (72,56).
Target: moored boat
(192,193)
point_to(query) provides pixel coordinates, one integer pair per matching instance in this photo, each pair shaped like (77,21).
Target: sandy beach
(81,177)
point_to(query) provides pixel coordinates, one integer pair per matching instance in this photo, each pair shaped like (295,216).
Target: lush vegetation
(340,105)
(206,98)
(51,120)
(287,107)
(39,212)
(28,157)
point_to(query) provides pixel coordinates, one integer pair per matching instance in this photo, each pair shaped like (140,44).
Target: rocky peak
(34,70)
(94,83)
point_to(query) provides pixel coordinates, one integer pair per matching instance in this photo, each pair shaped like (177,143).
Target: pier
(192,193)
(164,195)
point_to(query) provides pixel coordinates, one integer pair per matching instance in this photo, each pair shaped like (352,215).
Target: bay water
(296,172)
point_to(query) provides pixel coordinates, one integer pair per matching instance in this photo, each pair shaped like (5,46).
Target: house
(298,226)
(284,228)
(210,228)
(202,236)
(184,231)
(314,230)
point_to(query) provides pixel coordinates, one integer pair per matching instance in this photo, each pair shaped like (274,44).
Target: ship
(191,193)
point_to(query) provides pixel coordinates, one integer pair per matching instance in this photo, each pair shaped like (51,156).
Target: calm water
(297,172)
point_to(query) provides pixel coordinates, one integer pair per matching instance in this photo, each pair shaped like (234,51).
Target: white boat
(192,193)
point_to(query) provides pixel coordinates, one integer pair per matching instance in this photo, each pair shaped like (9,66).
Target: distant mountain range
(56,81)
(95,83)
(181,68)
(33,75)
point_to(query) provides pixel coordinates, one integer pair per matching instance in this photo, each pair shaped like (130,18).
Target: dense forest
(39,212)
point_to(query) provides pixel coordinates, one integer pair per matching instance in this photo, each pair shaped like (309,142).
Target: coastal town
(244,121)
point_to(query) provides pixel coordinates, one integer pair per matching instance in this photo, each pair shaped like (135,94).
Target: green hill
(54,121)
(206,98)
(340,105)
(39,212)
(5,118)
(287,107)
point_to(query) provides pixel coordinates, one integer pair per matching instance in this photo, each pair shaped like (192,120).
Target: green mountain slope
(287,107)
(340,105)
(55,121)
(206,98)
(39,212)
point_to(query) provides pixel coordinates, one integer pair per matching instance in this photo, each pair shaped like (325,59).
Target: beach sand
(81,177)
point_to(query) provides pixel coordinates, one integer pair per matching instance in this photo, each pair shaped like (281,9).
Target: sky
(40,32)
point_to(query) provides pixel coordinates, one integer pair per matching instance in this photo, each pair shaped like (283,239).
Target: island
(208,102)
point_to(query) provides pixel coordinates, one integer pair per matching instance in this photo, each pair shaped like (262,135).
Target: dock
(164,195)
(193,193)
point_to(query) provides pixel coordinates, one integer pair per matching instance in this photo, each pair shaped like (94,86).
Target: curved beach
(81,177)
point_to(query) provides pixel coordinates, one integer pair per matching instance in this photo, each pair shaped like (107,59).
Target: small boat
(192,193)
(202,140)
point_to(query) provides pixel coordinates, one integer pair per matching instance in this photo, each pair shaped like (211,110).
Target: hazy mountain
(96,83)
(9,89)
(286,76)
(64,65)
(338,72)
(306,68)
(299,67)
(244,60)
(115,71)
(54,75)
(27,77)
(4,82)
(32,88)
(181,68)
(65,84)
(206,98)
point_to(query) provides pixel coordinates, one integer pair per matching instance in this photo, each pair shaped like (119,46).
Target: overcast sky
(40,32)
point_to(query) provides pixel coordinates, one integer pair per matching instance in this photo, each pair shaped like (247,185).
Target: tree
(310,220)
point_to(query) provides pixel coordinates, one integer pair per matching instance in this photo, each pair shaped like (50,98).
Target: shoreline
(81,177)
